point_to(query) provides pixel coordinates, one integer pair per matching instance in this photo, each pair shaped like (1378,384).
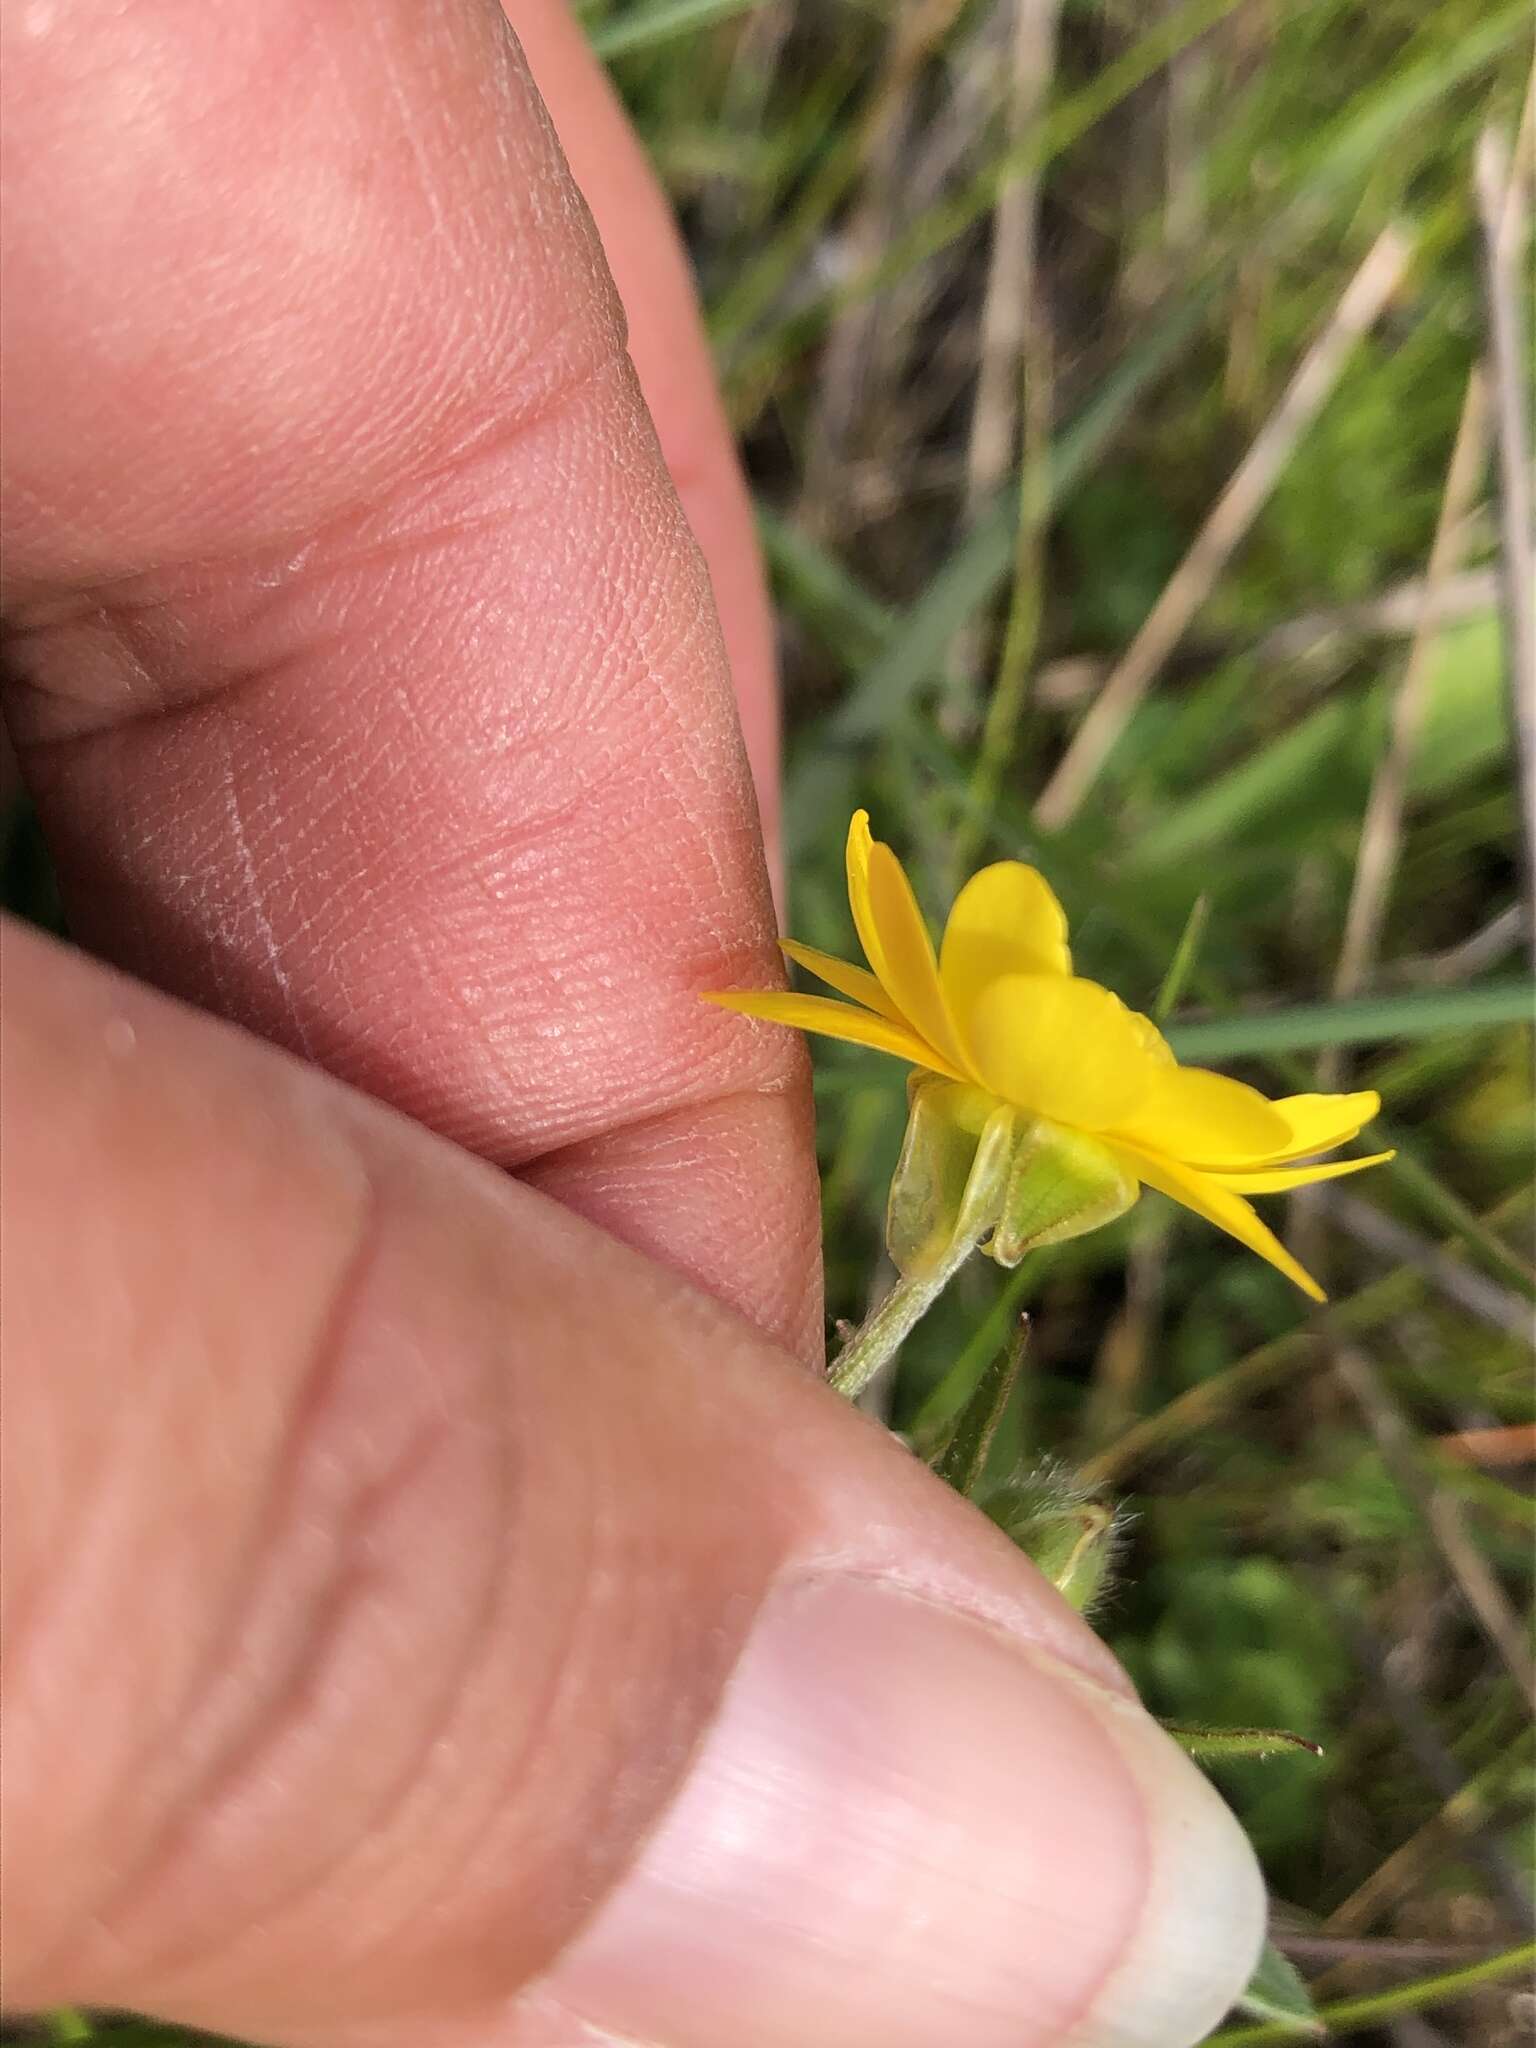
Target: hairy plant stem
(885,1329)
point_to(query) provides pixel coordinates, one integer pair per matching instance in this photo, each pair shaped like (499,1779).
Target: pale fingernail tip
(906,1827)
(1205,1913)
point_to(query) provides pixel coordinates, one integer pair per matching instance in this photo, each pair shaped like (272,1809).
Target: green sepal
(1277,1991)
(1068,1533)
(1060,1185)
(973,1168)
(950,1179)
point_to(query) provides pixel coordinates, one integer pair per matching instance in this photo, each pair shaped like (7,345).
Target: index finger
(369,680)
(671,356)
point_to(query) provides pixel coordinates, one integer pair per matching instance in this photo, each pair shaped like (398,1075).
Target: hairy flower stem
(884,1330)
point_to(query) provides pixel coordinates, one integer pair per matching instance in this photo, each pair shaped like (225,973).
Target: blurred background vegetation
(1008,298)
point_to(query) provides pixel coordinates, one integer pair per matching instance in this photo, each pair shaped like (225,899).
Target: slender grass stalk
(644,28)
(1070,120)
(1184,956)
(1253,1373)
(1359,306)
(1428,1013)
(1349,2015)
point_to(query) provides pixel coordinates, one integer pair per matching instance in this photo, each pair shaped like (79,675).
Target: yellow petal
(1218,1205)
(1206,1119)
(1319,1122)
(848,980)
(834,1020)
(1153,1042)
(1004,921)
(909,971)
(1061,1046)
(1274,1180)
(860,846)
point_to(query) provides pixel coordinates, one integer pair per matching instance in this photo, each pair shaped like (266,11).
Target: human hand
(439,1609)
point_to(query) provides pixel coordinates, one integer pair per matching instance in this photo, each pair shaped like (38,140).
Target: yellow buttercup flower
(999,1013)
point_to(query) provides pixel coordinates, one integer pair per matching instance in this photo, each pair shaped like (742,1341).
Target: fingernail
(906,1828)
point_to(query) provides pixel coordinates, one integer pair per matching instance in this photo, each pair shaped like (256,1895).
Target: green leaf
(1465,727)
(961,1458)
(1210,1745)
(949,1396)
(1347,147)
(1277,1991)
(1272,788)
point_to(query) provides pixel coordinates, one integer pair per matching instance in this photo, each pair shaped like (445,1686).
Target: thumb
(429,1623)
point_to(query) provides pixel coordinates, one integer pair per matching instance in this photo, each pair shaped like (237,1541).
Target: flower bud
(1059,1525)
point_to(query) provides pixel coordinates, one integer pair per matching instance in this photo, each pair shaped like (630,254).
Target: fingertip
(905,1828)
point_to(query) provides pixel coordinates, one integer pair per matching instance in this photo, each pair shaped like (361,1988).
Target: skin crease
(411,1487)
(401,1437)
(410,742)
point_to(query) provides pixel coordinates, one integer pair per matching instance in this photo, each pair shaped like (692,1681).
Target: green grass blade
(1443,1207)
(1067,123)
(1349,146)
(1427,1013)
(65,2024)
(642,28)
(952,1391)
(1183,960)
(1349,2015)
(821,595)
(979,566)
(1240,800)
(1346,150)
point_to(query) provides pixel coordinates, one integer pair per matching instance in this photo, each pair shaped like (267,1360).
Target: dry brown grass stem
(1395,615)
(1504,217)
(1470,1291)
(1486,947)
(1457,1821)
(1468,1569)
(1013,379)
(1009,307)
(1360,305)
(845,376)
(1381,830)
(1120,1363)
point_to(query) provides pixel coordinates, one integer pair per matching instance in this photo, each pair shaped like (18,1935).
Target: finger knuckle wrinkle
(333,1662)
